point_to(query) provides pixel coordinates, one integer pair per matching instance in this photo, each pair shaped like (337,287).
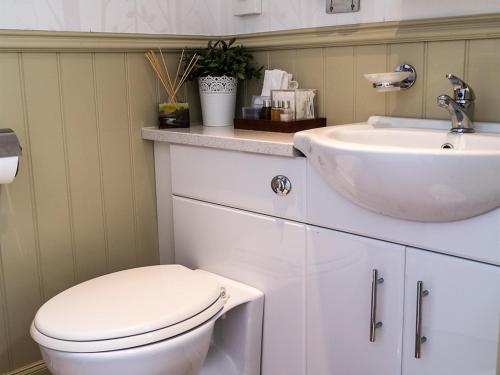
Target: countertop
(226,138)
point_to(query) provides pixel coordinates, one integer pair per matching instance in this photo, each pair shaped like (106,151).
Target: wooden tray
(279,126)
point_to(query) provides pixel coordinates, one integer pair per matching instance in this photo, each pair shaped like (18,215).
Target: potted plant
(218,69)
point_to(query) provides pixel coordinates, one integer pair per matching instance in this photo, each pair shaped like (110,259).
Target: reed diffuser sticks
(161,71)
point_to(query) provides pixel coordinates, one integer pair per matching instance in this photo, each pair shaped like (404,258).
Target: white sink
(397,166)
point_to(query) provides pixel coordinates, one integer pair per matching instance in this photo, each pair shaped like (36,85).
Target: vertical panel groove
(68,171)
(388,51)
(131,153)
(354,81)
(99,151)
(466,60)
(5,312)
(425,80)
(29,163)
(323,82)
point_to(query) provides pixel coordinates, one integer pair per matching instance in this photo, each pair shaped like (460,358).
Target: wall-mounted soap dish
(402,78)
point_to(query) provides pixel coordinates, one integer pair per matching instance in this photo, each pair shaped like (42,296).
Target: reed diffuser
(172,114)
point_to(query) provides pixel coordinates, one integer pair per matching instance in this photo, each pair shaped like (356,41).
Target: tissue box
(304,102)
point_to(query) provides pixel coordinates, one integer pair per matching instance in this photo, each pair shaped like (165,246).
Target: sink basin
(410,169)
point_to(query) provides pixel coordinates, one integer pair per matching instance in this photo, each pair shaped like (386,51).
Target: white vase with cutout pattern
(218,100)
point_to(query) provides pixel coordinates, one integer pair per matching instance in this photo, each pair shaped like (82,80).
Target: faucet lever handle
(462,91)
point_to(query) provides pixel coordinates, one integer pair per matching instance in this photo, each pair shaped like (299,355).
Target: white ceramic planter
(218,100)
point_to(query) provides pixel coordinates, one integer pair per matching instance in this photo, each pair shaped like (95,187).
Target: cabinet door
(460,316)
(261,251)
(340,270)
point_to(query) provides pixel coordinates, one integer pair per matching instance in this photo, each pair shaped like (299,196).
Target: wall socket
(342,6)
(247,7)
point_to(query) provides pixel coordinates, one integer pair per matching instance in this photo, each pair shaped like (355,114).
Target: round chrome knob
(281,185)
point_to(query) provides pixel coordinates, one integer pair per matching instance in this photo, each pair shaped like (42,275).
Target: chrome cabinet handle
(373,310)
(419,339)
(281,185)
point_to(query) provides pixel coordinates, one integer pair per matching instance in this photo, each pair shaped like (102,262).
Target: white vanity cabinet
(315,256)
(341,273)
(460,315)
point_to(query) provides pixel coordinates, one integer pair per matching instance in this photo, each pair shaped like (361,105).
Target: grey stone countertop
(226,138)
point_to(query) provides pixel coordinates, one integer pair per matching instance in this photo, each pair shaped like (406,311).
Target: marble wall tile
(396,10)
(214,17)
(122,16)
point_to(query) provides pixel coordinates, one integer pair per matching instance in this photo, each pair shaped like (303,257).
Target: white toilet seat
(53,335)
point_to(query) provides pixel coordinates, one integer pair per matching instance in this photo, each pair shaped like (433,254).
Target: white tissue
(8,169)
(275,80)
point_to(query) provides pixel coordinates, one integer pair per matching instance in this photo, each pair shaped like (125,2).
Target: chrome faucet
(461,107)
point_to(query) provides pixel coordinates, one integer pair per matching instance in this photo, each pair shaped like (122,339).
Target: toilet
(157,320)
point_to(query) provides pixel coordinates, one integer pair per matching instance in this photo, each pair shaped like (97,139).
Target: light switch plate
(247,7)
(342,6)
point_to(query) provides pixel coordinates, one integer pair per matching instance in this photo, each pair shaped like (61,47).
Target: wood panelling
(114,134)
(142,107)
(19,245)
(50,174)
(408,103)
(346,96)
(369,59)
(442,58)
(310,72)
(254,86)
(483,74)
(84,202)
(81,138)
(339,85)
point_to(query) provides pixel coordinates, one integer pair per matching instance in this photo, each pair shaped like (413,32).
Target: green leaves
(224,58)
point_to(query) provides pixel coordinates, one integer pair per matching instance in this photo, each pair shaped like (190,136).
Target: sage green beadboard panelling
(83,203)
(369,59)
(82,144)
(193,98)
(442,58)
(114,133)
(4,334)
(50,171)
(143,112)
(483,74)
(283,59)
(310,72)
(254,86)
(19,245)
(339,85)
(346,96)
(408,103)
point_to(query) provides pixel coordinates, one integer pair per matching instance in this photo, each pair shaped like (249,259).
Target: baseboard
(38,368)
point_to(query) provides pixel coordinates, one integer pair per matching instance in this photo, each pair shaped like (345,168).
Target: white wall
(294,14)
(214,17)
(127,16)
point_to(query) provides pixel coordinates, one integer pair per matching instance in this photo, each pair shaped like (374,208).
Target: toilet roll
(8,169)
(10,151)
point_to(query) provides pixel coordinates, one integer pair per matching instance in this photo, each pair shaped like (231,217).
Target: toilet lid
(127,303)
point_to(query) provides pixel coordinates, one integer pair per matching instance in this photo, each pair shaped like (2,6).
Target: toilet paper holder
(9,145)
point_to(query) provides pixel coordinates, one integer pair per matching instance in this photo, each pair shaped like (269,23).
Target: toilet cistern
(460,107)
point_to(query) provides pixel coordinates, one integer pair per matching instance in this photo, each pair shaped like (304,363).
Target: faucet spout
(460,120)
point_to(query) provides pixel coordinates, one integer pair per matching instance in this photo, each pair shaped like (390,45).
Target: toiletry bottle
(276,110)
(287,112)
(265,112)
